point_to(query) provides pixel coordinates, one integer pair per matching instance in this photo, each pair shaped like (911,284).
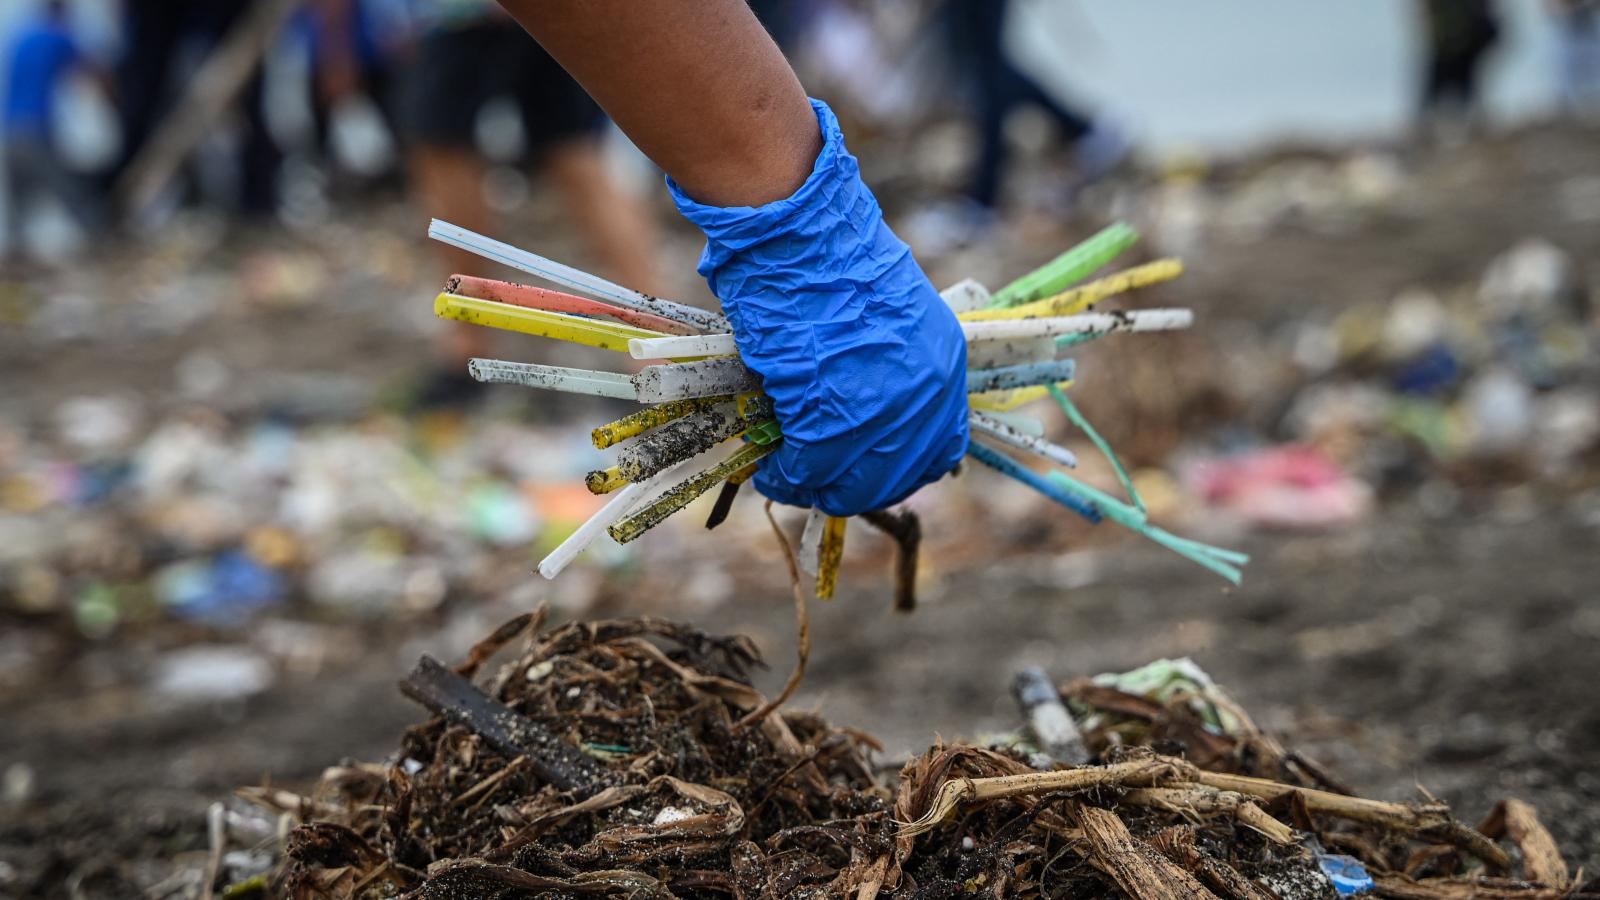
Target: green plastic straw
(1068,407)
(1223,562)
(1071,266)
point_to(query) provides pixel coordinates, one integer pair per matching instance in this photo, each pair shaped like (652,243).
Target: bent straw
(1076,299)
(567,276)
(1075,264)
(1221,561)
(991,427)
(537,322)
(531,297)
(1100,443)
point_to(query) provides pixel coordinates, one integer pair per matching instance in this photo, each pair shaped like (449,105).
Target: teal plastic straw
(1058,274)
(1009,467)
(1221,561)
(1071,410)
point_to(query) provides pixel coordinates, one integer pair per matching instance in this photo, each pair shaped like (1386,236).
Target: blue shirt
(41,53)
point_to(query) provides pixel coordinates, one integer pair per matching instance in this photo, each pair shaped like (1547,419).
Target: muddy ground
(1454,651)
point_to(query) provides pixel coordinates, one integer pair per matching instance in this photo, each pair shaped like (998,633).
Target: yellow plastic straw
(829,555)
(1005,401)
(1077,299)
(635,424)
(604,481)
(679,496)
(538,322)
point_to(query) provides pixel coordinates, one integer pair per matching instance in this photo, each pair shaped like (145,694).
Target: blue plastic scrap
(1348,875)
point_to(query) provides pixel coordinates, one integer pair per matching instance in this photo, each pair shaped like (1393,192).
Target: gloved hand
(865,365)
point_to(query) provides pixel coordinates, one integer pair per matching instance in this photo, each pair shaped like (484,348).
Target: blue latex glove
(865,365)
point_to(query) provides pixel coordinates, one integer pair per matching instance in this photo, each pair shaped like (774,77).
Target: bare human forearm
(697,84)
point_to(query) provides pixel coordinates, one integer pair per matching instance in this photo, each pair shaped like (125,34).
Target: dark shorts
(455,72)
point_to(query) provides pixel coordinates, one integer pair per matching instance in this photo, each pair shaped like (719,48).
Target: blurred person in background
(1578,32)
(163,41)
(469,53)
(358,51)
(976,30)
(1459,35)
(42,55)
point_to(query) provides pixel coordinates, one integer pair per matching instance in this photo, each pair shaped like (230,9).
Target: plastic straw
(811,541)
(829,556)
(681,347)
(704,378)
(681,494)
(553,378)
(1000,431)
(1011,469)
(1075,264)
(1068,302)
(1083,323)
(635,424)
(567,276)
(1016,328)
(686,438)
(1221,561)
(558,326)
(621,503)
(1077,419)
(965,296)
(1026,375)
(531,297)
(1005,401)
(992,354)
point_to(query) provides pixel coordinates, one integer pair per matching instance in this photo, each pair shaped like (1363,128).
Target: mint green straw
(1056,275)
(1223,562)
(1068,407)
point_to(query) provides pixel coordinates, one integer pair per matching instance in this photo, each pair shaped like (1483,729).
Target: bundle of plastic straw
(705,423)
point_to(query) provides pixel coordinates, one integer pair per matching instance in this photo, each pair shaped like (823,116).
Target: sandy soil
(1457,654)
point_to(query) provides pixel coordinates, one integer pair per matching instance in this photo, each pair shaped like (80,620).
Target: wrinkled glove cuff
(864,362)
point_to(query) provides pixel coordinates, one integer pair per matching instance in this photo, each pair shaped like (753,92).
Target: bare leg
(616,224)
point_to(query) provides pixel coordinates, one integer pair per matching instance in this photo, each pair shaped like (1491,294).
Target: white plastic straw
(1005,434)
(1003,329)
(965,296)
(811,541)
(684,381)
(993,354)
(1084,323)
(554,378)
(576,279)
(624,501)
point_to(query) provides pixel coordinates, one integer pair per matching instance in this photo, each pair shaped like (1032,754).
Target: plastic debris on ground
(541,777)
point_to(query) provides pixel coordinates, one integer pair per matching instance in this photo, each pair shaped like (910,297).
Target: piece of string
(802,621)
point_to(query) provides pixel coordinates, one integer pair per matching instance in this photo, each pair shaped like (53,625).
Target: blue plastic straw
(1010,468)
(1005,378)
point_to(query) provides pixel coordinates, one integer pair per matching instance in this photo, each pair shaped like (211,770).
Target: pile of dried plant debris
(632,758)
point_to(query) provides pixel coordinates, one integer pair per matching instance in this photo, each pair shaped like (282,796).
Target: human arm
(865,365)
